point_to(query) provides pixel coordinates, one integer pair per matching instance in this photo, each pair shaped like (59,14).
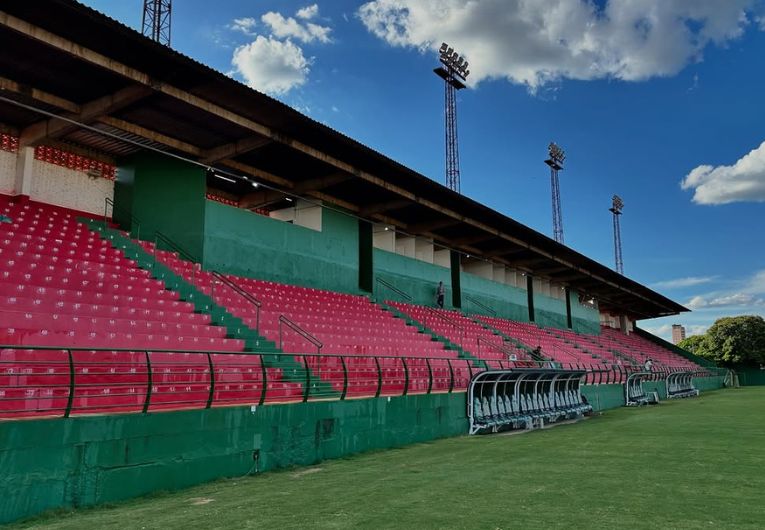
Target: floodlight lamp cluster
(616,205)
(556,153)
(452,60)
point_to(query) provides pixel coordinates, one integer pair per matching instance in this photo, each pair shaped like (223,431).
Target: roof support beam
(233,149)
(532,262)
(380,207)
(436,224)
(469,240)
(54,128)
(7,85)
(504,252)
(322,182)
(153,136)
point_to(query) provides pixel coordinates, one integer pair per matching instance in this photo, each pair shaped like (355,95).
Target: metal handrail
(499,347)
(159,236)
(238,289)
(300,331)
(199,379)
(134,221)
(481,305)
(458,327)
(395,289)
(187,256)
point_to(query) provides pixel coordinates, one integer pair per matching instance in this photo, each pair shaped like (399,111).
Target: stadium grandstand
(195,276)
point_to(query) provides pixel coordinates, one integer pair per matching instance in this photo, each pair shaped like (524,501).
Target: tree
(691,343)
(735,341)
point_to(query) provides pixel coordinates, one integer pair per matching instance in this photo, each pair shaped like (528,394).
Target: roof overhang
(94,70)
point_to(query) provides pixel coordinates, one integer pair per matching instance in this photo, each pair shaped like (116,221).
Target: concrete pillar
(384,237)
(24,171)
(441,257)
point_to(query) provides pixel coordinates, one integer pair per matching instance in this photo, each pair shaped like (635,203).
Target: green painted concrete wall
(166,195)
(76,462)
(416,278)
(63,463)
(241,242)
(585,319)
(751,377)
(604,397)
(509,302)
(549,311)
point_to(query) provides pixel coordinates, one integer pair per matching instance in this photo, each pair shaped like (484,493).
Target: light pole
(616,208)
(454,72)
(555,161)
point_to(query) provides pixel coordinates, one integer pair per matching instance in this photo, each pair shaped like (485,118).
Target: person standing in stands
(440,291)
(648,364)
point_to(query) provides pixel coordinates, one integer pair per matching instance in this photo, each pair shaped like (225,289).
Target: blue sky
(643,95)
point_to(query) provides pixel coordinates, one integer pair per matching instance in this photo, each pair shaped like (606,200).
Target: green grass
(695,463)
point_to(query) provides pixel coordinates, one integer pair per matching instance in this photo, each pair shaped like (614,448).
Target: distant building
(678,333)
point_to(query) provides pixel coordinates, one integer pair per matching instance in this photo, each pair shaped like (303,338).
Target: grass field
(695,463)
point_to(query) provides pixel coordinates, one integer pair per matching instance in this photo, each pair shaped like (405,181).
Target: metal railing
(284,321)
(394,289)
(159,237)
(481,305)
(64,382)
(496,347)
(438,316)
(135,223)
(257,304)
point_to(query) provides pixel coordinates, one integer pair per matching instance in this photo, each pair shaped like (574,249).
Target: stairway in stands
(291,369)
(474,338)
(326,325)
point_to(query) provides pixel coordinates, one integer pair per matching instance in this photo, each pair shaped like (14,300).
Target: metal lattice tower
(454,72)
(616,208)
(555,161)
(156,20)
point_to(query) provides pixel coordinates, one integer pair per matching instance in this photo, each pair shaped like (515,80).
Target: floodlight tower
(156,20)
(555,161)
(454,72)
(616,208)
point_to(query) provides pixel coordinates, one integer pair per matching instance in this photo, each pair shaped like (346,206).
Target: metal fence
(37,381)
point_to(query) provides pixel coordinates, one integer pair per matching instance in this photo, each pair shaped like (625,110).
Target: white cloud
(728,300)
(308,12)
(288,27)
(745,293)
(756,283)
(678,283)
(534,42)
(270,65)
(743,181)
(244,25)
(274,63)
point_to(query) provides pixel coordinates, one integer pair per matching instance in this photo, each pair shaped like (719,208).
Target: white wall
(499,274)
(423,250)
(384,237)
(442,257)
(482,269)
(69,188)
(7,172)
(405,246)
(301,213)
